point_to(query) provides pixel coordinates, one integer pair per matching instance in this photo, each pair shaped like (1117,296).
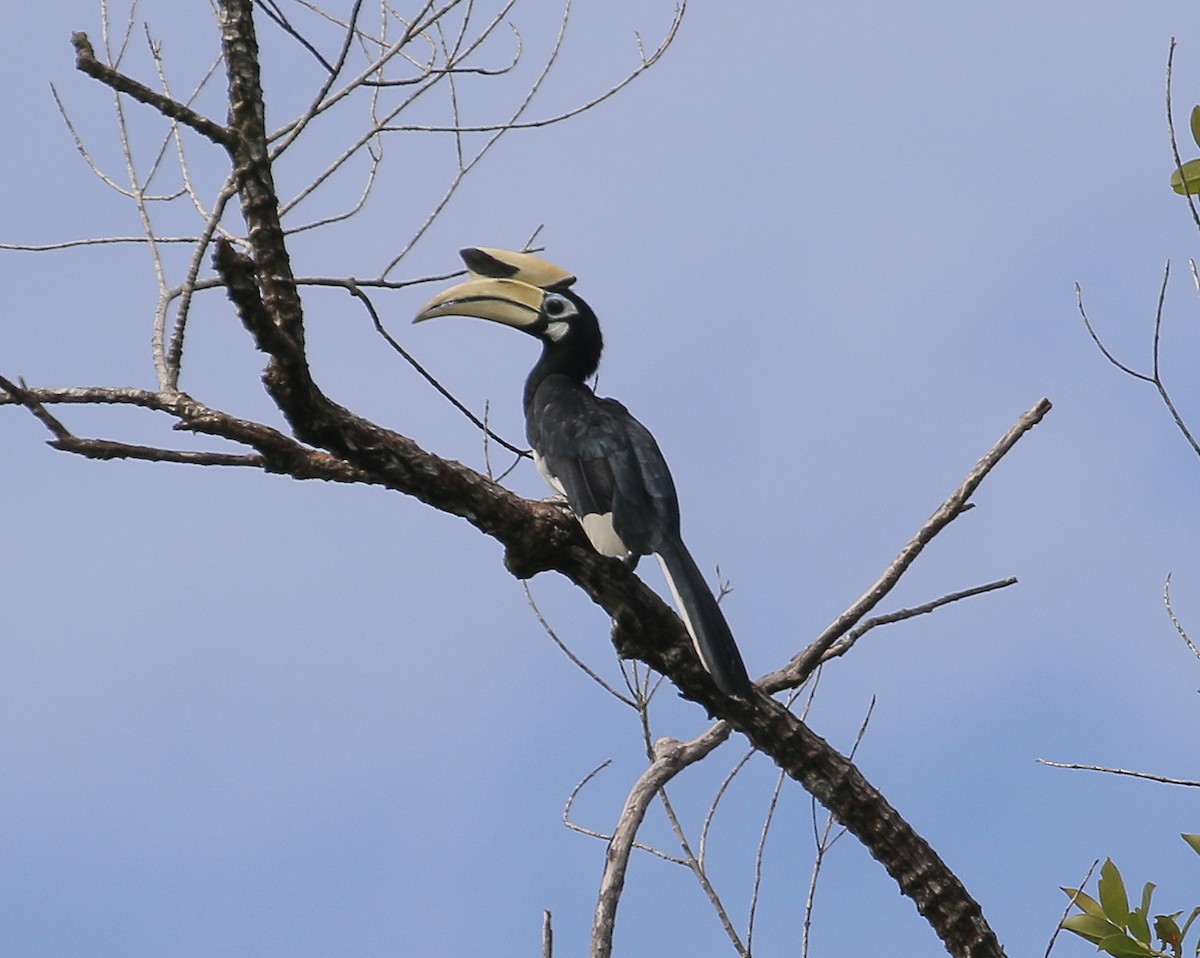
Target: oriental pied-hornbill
(589,449)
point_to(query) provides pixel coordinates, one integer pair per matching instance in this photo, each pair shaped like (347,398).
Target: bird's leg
(561,502)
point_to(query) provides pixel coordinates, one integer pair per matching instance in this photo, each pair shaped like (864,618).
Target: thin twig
(799,668)
(172,358)
(1120,771)
(843,645)
(82,149)
(566,650)
(592,833)
(1067,910)
(760,852)
(1155,378)
(696,866)
(1174,141)
(824,841)
(463,169)
(31,402)
(353,288)
(1128,370)
(646,63)
(669,756)
(91,241)
(721,731)
(1174,619)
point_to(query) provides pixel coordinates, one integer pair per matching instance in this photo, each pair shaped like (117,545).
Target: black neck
(575,355)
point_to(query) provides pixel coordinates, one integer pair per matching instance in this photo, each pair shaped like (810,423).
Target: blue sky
(834,252)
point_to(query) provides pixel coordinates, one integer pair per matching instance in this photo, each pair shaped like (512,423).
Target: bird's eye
(555,305)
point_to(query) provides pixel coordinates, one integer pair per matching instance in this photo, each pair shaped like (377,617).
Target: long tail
(704,620)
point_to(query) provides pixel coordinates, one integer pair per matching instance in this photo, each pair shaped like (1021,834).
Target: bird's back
(604,460)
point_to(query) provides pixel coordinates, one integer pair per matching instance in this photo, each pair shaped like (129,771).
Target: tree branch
(1163,779)
(670,755)
(331,442)
(957,503)
(86,62)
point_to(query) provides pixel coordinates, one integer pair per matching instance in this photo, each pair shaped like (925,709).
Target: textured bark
(536,536)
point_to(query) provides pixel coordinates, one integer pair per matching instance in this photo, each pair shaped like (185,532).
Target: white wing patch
(598,528)
(604,539)
(545,473)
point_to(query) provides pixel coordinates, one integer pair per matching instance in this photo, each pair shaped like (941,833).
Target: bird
(589,449)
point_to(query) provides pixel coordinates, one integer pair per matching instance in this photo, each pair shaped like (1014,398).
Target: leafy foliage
(1186,178)
(1116,929)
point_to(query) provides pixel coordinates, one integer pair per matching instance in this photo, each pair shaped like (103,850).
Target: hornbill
(589,449)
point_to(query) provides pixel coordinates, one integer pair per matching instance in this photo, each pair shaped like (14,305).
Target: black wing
(605,461)
(616,481)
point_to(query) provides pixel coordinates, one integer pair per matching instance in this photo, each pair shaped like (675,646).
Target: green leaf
(1168,931)
(1085,902)
(1191,172)
(1093,929)
(1195,123)
(1138,923)
(1123,946)
(1188,924)
(1113,899)
(1139,928)
(1147,894)
(1193,840)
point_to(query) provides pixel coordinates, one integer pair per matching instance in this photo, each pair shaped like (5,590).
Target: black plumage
(591,449)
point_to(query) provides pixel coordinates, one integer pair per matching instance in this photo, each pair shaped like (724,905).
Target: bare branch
(1066,911)
(332,443)
(31,402)
(669,756)
(355,291)
(1191,200)
(800,667)
(826,840)
(566,650)
(1174,619)
(280,453)
(1100,345)
(842,646)
(646,63)
(108,449)
(592,833)
(93,241)
(1120,771)
(170,361)
(271,9)
(721,731)
(760,851)
(1155,377)
(83,150)
(94,395)
(465,168)
(85,61)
